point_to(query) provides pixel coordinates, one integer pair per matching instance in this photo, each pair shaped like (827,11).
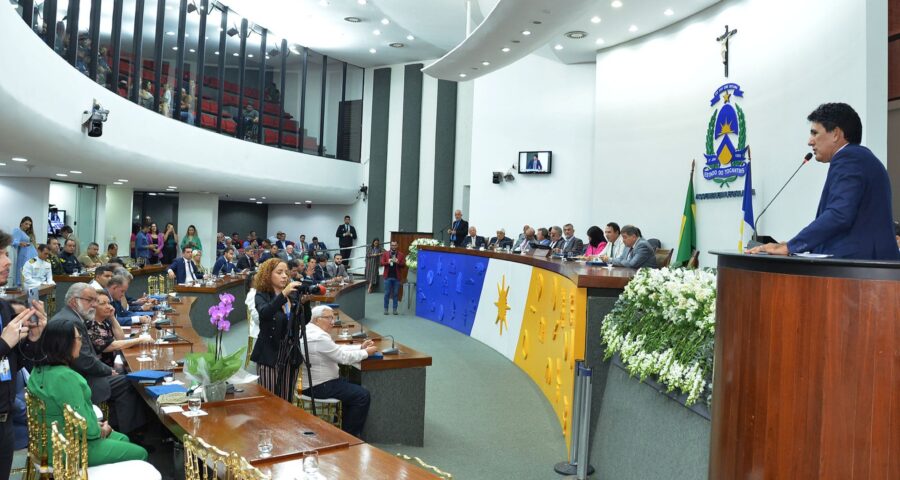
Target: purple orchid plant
(218,316)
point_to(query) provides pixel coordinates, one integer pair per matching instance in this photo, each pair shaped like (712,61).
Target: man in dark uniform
(70,262)
(17,346)
(56,263)
(346,234)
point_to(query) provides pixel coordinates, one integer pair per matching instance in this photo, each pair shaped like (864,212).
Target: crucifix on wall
(723,40)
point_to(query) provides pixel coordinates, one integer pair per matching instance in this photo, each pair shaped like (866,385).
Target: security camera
(497,177)
(93,120)
(309,204)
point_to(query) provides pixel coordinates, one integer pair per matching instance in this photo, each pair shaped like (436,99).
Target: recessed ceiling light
(616,4)
(485,63)
(174,48)
(259,203)
(352,19)
(171,186)
(267,57)
(19,159)
(385,21)
(308,201)
(235,54)
(263,198)
(170,33)
(632,28)
(397,45)
(376,32)
(576,34)
(362,2)
(410,38)
(557,47)
(192,50)
(372,50)
(75,171)
(462,75)
(117,183)
(595,19)
(152,194)
(249,55)
(669,12)
(169,190)
(62,174)
(504,49)
(301,203)
(216,52)
(2,164)
(123,180)
(253,199)
(599,41)
(526,32)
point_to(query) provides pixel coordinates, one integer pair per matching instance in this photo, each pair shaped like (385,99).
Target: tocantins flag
(687,240)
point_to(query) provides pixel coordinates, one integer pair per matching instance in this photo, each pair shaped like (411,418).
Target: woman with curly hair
(277,350)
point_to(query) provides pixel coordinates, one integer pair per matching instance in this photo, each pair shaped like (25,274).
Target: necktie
(189,272)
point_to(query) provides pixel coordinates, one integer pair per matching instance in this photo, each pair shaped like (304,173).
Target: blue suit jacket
(180,272)
(222,266)
(854,218)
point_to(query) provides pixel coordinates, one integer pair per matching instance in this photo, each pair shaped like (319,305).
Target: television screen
(535,162)
(56,219)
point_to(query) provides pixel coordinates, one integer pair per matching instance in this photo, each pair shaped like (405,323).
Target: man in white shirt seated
(102,275)
(615,247)
(324,357)
(38,271)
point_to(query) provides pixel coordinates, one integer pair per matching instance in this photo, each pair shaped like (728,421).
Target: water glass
(154,349)
(194,402)
(311,462)
(345,332)
(265,443)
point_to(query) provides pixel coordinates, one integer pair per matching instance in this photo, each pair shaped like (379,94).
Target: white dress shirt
(325,356)
(37,272)
(614,249)
(253,319)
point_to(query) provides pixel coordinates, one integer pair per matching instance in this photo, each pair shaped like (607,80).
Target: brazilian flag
(687,241)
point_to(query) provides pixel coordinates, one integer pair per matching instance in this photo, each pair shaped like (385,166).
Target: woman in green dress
(191,237)
(57,385)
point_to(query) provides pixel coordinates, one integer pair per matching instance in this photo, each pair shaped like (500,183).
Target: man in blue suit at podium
(854,218)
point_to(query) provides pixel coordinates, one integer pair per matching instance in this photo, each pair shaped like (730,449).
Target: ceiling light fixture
(557,47)
(152,194)
(232,32)
(75,171)
(600,41)
(62,175)
(253,199)
(117,183)
(616,4)
(263,198)
(462,75)
(352,19)
(595,19)
(576,34)
(172,187)
(175,48)
(2,164)
(362,2)
(410,38)
(19,159)
(216,52)
(526,32)
(192,50)
(485,63)
(397,45)
(123,180)
(170,33)
(249,55)
(259,203)
(308,201)
(669,12)
(372,50)
(504,49)
(632,28)
(376,32)
(385,21)
(301,203)
(235,54)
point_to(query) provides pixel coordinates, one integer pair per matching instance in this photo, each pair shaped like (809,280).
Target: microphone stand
(753,239)
(299,315)
(444,230)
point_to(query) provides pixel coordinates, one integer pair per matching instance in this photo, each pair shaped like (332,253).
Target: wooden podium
(807,369)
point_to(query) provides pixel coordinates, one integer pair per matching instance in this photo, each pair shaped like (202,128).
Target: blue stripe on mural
(448,288)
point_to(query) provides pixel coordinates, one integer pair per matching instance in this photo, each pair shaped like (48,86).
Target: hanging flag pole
(687,239)
(747,204)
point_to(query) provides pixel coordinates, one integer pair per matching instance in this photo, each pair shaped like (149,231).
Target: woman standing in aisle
(191,238)
(373,260)
(170,244)
(23,240)
(156,244)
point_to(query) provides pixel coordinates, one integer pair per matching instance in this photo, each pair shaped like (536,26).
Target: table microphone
(754,241)
(169,336)
(390,351)
(361,333)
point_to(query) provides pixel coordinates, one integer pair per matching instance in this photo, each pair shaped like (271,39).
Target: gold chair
(329,409)
(38,466)
(242,470)
(249,339)
(420,463)
(203,461)
(153,285)
(77,456)
(64,463)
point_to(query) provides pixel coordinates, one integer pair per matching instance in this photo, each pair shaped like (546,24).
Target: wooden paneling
(894,70)
(807,375)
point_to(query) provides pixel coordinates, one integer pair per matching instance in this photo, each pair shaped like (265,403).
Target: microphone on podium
(754,240)
(361,333)
(390,351)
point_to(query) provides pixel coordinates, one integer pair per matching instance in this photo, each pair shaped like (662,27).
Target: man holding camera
(392,260)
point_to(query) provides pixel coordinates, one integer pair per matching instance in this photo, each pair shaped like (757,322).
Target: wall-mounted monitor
(535,161)
(56,219)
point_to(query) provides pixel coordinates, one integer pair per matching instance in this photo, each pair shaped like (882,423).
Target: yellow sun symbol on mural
(502,305)
(726,129)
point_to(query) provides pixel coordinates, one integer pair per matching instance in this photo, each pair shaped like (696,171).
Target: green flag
(687,240)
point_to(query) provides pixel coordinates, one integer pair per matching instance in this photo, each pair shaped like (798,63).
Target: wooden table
(137,287)
(351,297)
(46,293)
(208,295)
(252,408)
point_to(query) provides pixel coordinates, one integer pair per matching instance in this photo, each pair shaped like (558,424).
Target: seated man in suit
(91,258)
(37,271)
(236,241)
(500,242)
(282,241)
(317,248)
(102,274)
(112,251)
(302,247)
(126,407)
(270,251)
(70,262)
(224,264)
(314,271)
(116,287)
(473,240)
(337,270)
(614,246)
(556,241)
(184,270)
(638,254)
(296,269)
(247,260)
(573,245)
(524,245)
(289,253)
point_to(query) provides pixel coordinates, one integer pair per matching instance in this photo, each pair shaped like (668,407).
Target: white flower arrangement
(663,324)
(412,258)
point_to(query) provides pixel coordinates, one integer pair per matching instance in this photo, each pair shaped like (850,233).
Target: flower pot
(215,392)
(411,275)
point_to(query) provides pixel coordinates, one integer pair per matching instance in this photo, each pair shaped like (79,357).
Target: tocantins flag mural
(726,137)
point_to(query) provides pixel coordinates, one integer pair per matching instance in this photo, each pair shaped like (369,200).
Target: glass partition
(201,63)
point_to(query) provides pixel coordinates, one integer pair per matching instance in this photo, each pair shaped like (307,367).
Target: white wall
(462,165)
(65,197)
(653,109)
(426,153)
(24,197)
(117,218)
(201,211)
(534,104)
(394,148)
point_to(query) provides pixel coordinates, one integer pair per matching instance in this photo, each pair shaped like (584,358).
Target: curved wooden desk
(207,296)
(807,369)
(351,297)
(136,288)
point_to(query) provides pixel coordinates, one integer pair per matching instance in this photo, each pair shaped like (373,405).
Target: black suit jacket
(345,241)
(88,364)
(274,326)
(461,230)
(246,262)
(506,242)
(478,241)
